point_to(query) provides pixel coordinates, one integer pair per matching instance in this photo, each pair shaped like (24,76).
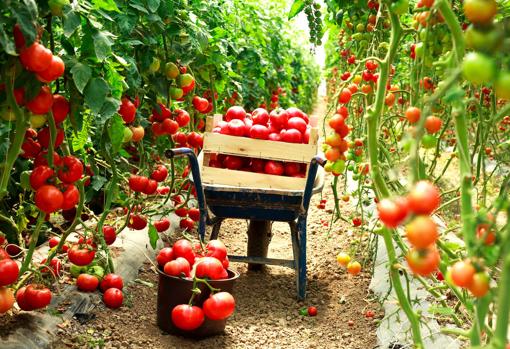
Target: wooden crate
(215,143)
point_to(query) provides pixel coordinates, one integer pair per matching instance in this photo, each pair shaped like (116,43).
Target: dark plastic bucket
(173,291)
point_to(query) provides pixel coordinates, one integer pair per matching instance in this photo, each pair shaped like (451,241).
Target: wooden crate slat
(245,179)
(257,148)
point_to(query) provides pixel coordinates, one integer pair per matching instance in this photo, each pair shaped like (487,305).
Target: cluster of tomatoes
(9,273)
(189,216)
(344,259)
(111,285)
(421,231)
(291,126)
(433,125)
(55,189)
(194,262)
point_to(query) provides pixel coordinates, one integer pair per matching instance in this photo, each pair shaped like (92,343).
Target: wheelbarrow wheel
(259,237)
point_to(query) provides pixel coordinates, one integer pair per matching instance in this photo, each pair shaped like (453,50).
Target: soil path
(267,312)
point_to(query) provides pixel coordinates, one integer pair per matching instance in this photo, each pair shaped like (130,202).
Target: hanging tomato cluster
(336,140)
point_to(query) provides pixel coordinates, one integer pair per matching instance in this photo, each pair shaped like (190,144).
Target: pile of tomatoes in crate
(291,126)
(199,263)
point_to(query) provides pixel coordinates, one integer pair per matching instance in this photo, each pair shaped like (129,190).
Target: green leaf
(80,139)
(110,107)
(102,45)
(139,8)
(72,21)
(116,133)
(296,8)
(108,5)
(6,42)
(153,5)
(81,75)
(95,94)
(153,236)
(441,310)
(98,182)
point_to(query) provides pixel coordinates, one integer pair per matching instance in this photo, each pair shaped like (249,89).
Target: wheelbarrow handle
(197,181)
(310,181)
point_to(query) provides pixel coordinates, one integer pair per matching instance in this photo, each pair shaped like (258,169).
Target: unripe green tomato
(97,271)
(7,113)
(367,36)
(502,85)
(350,167)
(418,50)
(176,92)
(155,65)
(349,156)
(428,141)
(339,166)
(24,180)
(478,68)
(128,134)
(406,144)
(355,177)
(76,270)
(400,7)
(328,167)
(37,121)
(360,28)
(423,34)
(485,40)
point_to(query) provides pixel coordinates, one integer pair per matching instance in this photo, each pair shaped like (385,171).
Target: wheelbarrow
(261,207)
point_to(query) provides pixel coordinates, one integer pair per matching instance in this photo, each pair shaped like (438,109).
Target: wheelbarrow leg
(259,237)
(216,229)
(299,246)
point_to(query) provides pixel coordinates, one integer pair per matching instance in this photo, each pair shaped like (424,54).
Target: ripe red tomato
(424,198)
(40,176)
(236,127)
(44,137)
(216,249)
(37,296)
(219,306)
(36,57)
(187,317)
(137,222)
(433,124)
(259,132)
(233,162)
(169,126)
(42,159)
(71,197)
(274,168)
(187,224)
(182,117)
(423,261)
(42,102)
(312,311)
(345,96)
(413,114)
(183,248)
(177,267)
(422,232)
(87,283)
(54,71)
(291,136)
(109,234)
(60,108)
(160,173)
(235,112)
(194,214)
(81,255)
(151,187)
(164,256)
(127,110)
(22,300)
(200,104)
(72,169)
(392,212)
(53,242)
(292,168)
(9,272)
(297,123)
(356,221)
(278,118)
(162,225)
(112,281)
(138,183)
(462,273)
(195,140)
(113,298)
(6,299)
(209,267)
(260,116)
(48,199)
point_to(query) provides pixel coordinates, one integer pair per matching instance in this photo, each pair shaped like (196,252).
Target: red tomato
(259,132)
(183,248)
(233,162)
(462,273)
(200,104)
(235,112)
(162,225)
(138,183)
(71,197)
(113,298)
(42,102)
(87,283)
(274,168)
(236,127)
(36,57)
(40,176)
(392,212)
(53,242)
(194,214)
(182,117)
(44,137)
(424,198)
(48,199)
(479,285)
(109,234)
(433,124)
(356,221)
(278,118)
(37,296)
(296,123)
(54,71)
(260,116)
(345,96)
(137,222)
(312,311)
(291,136)
(422,232)
(72,170)
(423,261)
(9,272)
(187,317)
(127,110)
(81,255)
(6,299)
(292,168)
(209,267)
(111,281)
(216,249)
(151,187)
(22,300)
(160,173)
(413,114)
(177,267)
(60,108)
(164,256)
(219,306)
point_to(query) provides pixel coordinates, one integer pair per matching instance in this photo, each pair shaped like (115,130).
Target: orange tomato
(423,261)
(343,259)
(353,268)
(422,232)
(462,273)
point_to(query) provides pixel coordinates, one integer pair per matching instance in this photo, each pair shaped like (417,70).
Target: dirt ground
(267,312)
